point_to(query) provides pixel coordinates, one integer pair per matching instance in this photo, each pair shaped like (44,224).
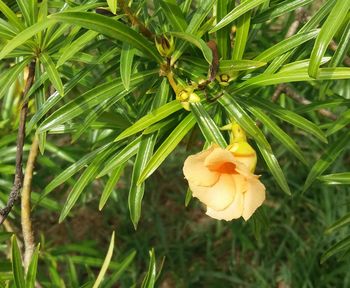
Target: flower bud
(223,79)
(165,45)
(244,153)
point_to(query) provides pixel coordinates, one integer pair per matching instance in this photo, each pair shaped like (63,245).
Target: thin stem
(28,235)
(135,21)
(18,181)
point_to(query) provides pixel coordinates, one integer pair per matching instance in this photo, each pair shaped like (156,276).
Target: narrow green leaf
(274,167)
(280,9)
(69,51)
(192,28)
(55,97)
(174,15)
(136,192)
(343,47)
(241,35)
(311,24)
(122,266)
(291,76)
(17,268)
(11,16)
(207,53)
(28,9)
(121,157)
(341,122)
(97,112)
(113,4)
(239,65)
(330,155)
(111,28)
(86,177)
(276,131)
(105,264)
(334,20)
(73,169)
(286,45)
(112,181)
(288,116)
(237,12)
(336,179)
(243,119)
(32,269)
(301,64)
(151,118)
(343,221)
(24,36)
(8,77)
(126,60)
(168,146)
(188,197)
(90,99)
(222,35)
(52,72)
(150,278)
(336,248)
(207,125)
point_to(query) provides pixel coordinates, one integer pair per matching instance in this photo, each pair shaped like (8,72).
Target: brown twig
(300,16)
(28,235)
(135,21)
(18,181)
(291,93)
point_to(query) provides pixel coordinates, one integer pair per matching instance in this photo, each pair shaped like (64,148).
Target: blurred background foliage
(106,119)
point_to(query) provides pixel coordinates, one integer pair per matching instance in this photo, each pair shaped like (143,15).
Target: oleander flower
(224,182)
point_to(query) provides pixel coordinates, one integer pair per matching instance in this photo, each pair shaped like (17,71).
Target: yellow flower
(224,183)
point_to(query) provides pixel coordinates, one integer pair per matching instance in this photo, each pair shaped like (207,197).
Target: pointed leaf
(112,181)
(126,60)
(17,268)
(90,99)
(198,42)
(168,146)
(336,248)
(32,269)
(105,264)
(331,154)
(111,28)
(333,22)
(52,72)
(151,118)
(209,129)
(237,12)
(336,179)
(136,192)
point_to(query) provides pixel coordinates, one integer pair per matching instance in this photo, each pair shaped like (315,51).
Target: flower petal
(218,156)
(235,209)
(253,198)
(196,172)
(219,196)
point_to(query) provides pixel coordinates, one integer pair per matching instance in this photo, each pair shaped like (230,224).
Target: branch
(291,93)
(28,235)
(135,21)
(18,181)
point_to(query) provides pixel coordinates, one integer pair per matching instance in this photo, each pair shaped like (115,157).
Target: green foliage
(106,106)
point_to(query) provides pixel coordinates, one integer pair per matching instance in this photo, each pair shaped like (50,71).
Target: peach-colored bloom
(225,183)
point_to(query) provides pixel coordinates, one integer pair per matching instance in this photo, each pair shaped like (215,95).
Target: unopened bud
(223,79)
(244,153)
(165,45)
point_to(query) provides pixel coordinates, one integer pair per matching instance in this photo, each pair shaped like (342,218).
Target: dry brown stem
(18,181)
(27,230)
